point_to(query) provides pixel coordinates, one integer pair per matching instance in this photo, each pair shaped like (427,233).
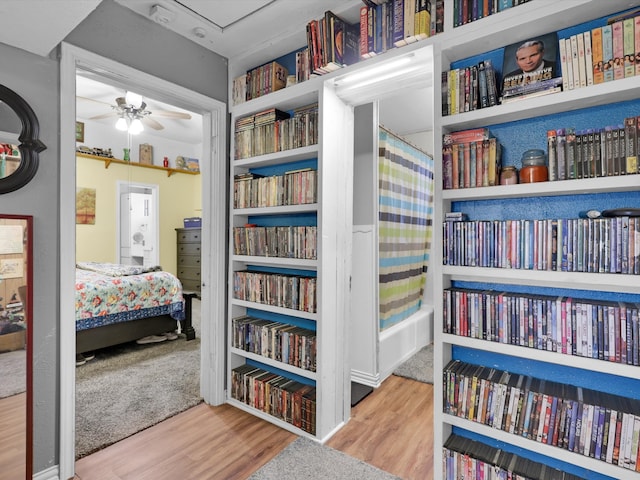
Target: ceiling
(95,98)
(223,26)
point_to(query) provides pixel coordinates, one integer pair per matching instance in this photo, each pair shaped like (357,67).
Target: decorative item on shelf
(181,162)
(193,164)
(534,168)
(509,175)
(126,157)
(193,222)
(79,132)
(146,154)
(165,162)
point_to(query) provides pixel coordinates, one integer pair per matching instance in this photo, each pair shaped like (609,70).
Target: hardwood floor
(392,429)
(12,436)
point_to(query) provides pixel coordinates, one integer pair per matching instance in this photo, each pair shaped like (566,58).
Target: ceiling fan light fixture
(134,99)
(136,127)
(122,124)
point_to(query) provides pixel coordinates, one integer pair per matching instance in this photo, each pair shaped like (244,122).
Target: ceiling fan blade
(152,123)
(104,115)
(169,114)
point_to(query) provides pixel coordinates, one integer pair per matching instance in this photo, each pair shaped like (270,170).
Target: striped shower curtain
(405,198)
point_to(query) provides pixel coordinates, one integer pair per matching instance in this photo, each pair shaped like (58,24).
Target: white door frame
(128,187)
(214,176)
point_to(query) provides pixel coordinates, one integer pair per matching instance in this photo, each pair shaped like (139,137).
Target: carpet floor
(304,458)
(419,367)
(131,387)
(13,368)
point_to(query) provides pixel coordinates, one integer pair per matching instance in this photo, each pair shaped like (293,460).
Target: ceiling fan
(132,113)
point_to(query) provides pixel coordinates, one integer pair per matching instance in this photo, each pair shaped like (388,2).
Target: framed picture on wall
(79,132)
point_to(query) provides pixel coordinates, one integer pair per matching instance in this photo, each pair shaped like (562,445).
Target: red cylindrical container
(534,168)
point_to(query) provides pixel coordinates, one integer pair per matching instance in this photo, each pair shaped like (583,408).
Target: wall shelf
(109,160)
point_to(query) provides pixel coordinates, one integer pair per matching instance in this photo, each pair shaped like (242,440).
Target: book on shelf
(629,50)
(564,49)
(618,49)
(588,56)
(596,53)
(438,16)
(538,89)
(332,43)
(582,65)
(572,53)
(471,158)
(607,52)
(239,89)
(531,61)
(636,22)
(266,79)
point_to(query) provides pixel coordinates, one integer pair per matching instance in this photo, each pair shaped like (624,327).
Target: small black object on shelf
(621,212)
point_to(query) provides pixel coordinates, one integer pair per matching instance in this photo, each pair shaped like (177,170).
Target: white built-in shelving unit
(524,21)
(333,154)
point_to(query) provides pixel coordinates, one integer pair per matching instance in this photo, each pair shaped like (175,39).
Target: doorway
(137,227)
(213,174)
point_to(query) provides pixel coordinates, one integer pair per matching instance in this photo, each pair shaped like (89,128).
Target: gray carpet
(13,372)
(306,459)
(419,367)
(131,387)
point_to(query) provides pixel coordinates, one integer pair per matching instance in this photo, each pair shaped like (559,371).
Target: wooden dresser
(188,248)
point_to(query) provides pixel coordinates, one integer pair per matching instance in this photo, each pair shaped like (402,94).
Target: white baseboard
(51,473)
(365,378)
(401,341)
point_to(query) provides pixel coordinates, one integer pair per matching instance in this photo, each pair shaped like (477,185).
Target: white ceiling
(228,27)
(233,28)
(38,26)
(95,98)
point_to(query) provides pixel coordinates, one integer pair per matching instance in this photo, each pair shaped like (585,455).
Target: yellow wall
(180,197)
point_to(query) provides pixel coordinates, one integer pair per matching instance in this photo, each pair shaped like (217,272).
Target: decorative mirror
(19,143)
(16,305)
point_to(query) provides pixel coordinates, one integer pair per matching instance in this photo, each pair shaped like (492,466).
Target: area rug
(419,367)
(304,458)
(13,371)
(131,387)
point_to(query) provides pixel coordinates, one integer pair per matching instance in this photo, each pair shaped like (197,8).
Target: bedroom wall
(179,196)
(117,33)
(36,80)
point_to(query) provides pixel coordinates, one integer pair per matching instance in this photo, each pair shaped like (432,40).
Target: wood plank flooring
(392,429)
(13,413)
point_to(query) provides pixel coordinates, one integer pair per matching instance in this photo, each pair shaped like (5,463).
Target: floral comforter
(105,299)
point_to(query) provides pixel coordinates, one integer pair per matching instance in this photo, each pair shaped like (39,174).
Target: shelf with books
(592,96)
(594,281)
(287,219)
(274,363)
(590,364)
(297,263)
(623,183)
(520,126)
(591,464)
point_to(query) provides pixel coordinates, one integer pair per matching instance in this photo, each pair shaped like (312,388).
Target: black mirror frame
(30,146)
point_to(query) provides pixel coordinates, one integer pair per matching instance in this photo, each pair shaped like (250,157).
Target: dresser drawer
(190,286)
(189,261)
(189,235)
(189,249)
(189,273)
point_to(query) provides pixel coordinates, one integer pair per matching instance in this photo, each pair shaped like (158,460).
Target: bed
(121,303)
